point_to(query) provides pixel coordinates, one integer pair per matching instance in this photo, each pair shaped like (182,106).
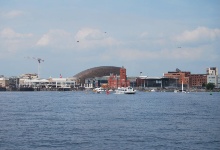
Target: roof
(97,72)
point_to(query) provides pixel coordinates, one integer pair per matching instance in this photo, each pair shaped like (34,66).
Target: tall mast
(39,60)
(182,86)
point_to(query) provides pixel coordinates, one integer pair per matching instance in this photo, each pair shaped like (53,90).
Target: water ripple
(79,120)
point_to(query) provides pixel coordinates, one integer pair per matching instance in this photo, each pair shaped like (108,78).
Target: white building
(212,71)
(30,80)
(212,79)
(212,76)
(61,82)
(3,81)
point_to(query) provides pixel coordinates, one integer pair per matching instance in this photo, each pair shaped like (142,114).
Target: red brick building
(116,81)
(191,80)
(197,80)
(179,75)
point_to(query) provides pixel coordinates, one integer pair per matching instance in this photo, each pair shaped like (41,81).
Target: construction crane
(39,60)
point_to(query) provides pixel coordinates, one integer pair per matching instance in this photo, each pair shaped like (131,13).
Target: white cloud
(10,33)
(56,38)
(12,14)
(201,34)
(181,54)
(90,34)
(163,47)
(84,39)
(44,40)
(11,41)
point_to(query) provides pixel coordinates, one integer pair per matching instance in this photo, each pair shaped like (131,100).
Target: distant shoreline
(83,89)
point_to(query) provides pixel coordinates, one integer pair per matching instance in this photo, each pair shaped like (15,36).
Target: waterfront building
(197,80)
(194,80)
(181,76)
(146,82)
(29,76)
(90,83)
(116,81)
(212,76)
(4,82)
(13,83)
(212,79)
(96,72)
(31,80)
(61,83)
(212,71)
(96,82)
(132,80)
(26,79)
(34,83)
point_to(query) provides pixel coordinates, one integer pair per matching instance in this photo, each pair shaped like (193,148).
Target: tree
(210,86)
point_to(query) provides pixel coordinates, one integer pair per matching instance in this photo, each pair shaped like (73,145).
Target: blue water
(88,121)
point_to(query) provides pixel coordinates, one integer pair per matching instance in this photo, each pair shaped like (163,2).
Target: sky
(152,37)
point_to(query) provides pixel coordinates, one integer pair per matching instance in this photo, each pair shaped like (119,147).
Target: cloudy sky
(149,36)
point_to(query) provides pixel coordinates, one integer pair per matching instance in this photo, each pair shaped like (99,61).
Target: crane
(39,60)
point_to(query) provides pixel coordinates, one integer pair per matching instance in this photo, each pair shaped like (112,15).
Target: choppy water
(79,120)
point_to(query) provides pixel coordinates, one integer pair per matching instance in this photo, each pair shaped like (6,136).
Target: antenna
(39,60)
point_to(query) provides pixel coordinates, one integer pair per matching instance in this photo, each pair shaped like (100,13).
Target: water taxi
(125,90)
(98,90)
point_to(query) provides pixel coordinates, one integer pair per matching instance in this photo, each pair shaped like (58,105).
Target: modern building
(157,82)
(96,72)
(62,83)
(31,80)
(96,82)
(133,81)
(212,75)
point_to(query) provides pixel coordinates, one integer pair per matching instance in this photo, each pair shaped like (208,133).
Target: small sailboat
(182,88)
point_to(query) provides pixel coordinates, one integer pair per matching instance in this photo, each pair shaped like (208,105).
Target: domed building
(97,72)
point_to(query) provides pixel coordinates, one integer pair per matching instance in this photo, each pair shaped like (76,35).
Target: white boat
(176,91)
(125,90)
(98,90)
(153,90)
